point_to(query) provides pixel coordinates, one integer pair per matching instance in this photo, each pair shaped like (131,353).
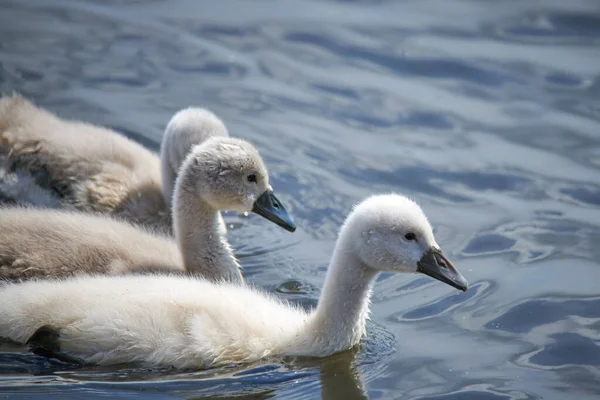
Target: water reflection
(339,375)
(485,112)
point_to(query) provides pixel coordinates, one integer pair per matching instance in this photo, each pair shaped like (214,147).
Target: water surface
(487,113)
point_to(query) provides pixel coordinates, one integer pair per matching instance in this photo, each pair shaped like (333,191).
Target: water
(486,112)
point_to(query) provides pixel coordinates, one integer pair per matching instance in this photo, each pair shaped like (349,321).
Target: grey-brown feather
(53,163)
(38,243)
(88,167)
(49,243)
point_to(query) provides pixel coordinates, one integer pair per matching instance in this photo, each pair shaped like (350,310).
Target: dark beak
(437,266)
(268,206)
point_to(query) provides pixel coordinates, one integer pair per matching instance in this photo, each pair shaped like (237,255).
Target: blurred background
(485,112)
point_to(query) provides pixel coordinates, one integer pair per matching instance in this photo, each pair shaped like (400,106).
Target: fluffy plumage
(191,323)
(51,162)
(50,243)
(40,243)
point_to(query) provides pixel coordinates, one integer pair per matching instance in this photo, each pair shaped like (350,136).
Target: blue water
(486,112)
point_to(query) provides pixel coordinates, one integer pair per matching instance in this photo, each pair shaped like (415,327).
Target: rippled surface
(486,112)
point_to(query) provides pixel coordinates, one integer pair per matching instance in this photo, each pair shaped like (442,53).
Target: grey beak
(269,207)
(437,266)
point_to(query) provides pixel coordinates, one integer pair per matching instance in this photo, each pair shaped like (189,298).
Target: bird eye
(252,178)
(410,236)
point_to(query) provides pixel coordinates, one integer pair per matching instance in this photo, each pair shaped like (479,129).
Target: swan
(187,322)
(221,173)
(51,162)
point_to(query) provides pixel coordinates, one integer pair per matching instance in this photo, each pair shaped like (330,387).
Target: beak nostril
(441,262)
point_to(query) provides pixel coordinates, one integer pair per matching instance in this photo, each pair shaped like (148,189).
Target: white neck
(341,315)
(204,250)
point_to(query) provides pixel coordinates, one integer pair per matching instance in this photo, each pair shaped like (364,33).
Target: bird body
(49,162)
(42,243)
(187,322)
(79,165)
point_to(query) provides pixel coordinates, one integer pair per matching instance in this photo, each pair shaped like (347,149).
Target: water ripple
(485,112)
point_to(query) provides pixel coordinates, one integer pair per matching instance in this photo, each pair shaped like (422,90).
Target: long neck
(340,316)
(204,250)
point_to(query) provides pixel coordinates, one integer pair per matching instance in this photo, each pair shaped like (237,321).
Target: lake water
(486,112)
